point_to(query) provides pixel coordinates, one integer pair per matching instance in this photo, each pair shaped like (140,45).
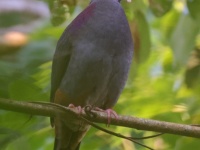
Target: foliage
(165,33)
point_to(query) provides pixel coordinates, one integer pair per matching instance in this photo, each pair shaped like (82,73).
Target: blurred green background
(163,84)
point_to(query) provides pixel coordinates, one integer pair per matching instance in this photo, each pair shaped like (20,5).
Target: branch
(54,110)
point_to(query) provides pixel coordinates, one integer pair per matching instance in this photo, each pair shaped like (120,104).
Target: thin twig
(147,137)
(113,133)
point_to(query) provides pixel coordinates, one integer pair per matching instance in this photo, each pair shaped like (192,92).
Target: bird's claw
(109,113)
(79,108)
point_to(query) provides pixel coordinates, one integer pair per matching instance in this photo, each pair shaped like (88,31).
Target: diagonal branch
(51,110)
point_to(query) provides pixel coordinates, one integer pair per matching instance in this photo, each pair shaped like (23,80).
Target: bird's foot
(109,113)
(79,108)
(77,123)
(88,110)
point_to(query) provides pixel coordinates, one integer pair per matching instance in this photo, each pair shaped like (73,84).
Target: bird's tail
(66,139)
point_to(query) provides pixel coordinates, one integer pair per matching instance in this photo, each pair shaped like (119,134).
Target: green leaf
(194,9)
(183,38)
(24,89)
(160,7)
(185,143)
(167,23)
(144,35)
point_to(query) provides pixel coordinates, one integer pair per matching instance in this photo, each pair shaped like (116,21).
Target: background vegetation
(163,82)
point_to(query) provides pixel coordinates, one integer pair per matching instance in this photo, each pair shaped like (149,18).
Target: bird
(90,65)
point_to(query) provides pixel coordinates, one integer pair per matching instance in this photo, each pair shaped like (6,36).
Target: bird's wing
(64,48)
(59,65)
(60,62)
